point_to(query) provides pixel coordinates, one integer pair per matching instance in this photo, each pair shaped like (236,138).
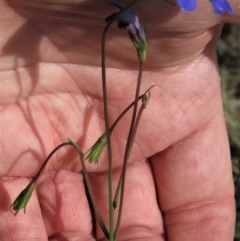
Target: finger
(81,26)
(64,206)
(141,217)
(195,187)
(235,17)
(29,226)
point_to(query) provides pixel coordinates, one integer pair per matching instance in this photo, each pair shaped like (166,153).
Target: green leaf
(22,200)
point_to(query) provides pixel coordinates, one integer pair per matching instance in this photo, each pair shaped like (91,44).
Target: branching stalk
(128,149)
(145,98)
(104,87)
(89,189)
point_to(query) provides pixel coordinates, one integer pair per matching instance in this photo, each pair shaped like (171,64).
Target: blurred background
(228,50)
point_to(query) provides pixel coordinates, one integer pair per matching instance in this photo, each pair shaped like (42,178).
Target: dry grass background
(229,60)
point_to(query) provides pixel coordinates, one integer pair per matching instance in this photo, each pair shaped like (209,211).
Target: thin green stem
(115,201)
(128,149)
(89,189)
(104,87)
(145,99)
(86,179)
(127,109)
(47,160)
(117,120)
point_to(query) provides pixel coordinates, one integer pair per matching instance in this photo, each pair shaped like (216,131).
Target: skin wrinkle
(3,35)
(195,205)
(114,137)
(193,100)
(87,91)
(64,56)
(142,148)
(21,67)
(60,88)
(35,94)
(45,112)
(132,233)
(192,92)
(193,104)
(61,120)
(172,114)
(28,115)
(180,45)
(55,122)
(71,76)
(195,218)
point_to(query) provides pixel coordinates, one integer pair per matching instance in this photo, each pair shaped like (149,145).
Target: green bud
(97,149)
(22,200)
(141,51)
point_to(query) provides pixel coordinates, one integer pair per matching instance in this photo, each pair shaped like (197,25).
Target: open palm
(178,185)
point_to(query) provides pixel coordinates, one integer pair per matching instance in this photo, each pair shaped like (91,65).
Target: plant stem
(104,87)
(86,179)
(143,97)
(47,160)
(128,148)
(127,109)
(117,120)
(89,189)
(112,235)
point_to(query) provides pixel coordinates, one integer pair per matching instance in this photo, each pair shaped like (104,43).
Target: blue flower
(125,18)
(129,20)
(220,6)
(187,5)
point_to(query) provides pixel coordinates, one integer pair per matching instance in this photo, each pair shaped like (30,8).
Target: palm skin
(50,90)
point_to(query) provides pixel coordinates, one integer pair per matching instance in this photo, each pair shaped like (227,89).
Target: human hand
(50,84)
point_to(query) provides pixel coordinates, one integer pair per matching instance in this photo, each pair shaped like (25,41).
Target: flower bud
(129,20)
(22,200)
(96,150)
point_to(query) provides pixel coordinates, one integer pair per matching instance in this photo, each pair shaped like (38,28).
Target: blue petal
(227,7)
(187,5)
(124,18)
(221,6)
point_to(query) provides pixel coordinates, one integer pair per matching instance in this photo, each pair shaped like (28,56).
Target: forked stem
(104,87)
(86,179)
(145,99)
(128,149)
(89,189)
